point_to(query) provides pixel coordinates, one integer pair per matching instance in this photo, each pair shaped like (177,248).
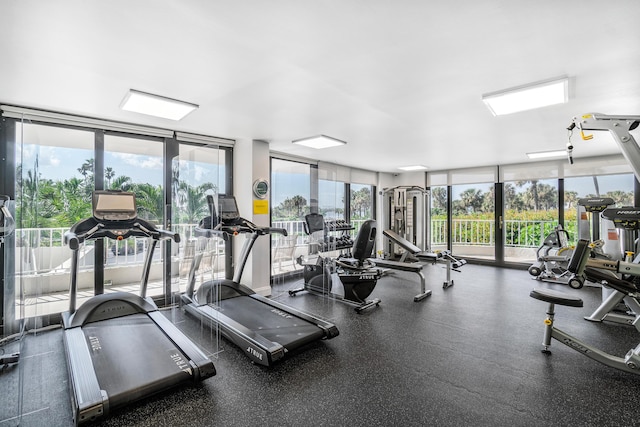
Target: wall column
(250,163)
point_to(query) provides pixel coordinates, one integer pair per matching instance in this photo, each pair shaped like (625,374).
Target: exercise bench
(412,251)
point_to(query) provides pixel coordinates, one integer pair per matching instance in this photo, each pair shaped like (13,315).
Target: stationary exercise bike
(357,273)
(584,267)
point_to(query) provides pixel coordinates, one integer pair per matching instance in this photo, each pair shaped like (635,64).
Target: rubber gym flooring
(468,355)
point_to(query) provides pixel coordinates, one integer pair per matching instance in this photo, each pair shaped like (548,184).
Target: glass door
(473,220)
(530,215)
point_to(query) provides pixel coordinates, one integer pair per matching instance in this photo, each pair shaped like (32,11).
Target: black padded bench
(421,255)
(432,257)
(556,297)
(413,267)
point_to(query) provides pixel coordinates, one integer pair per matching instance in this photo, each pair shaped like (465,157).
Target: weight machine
(619,127)
(583,265)
(405,211)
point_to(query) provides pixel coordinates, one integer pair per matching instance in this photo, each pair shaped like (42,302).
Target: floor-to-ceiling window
(473,212)
(361,204)
(619,187)
(439,218)
(53,186)
(331,201)
(135,164)
(198,175)
(56,162)
(530,214)
(290,202)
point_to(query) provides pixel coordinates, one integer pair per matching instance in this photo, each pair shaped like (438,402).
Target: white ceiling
(401,81)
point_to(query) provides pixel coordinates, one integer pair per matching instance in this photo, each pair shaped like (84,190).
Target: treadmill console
(114,205)
(228,209)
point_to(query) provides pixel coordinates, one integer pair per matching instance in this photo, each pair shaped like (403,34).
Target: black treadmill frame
(89,400)
(258,348)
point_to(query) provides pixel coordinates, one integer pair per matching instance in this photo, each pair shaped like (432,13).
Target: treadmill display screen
(112,206)
(227,207)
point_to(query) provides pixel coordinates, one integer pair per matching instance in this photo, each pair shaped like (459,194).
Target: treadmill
(119,347)
(265,329)
(6,229)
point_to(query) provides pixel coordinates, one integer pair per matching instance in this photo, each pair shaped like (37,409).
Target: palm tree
(121,183)
(471,200)
(195,207)
(439,200)
(295,206)
(533,190)
(361,201)
(150,201)
(108,174)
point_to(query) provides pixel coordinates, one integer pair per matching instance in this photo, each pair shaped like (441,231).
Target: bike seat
(556,297)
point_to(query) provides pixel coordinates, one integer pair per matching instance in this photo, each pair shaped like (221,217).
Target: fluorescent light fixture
(413,168)
(547,154)
(319,142)
(528,97)
(156,105)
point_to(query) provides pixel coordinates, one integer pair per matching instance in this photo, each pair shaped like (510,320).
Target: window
(473,220)
(135,165)
(439,218)
(54,183)
(290,202)
(530,214)
(361,205)
(619,187)
(331,199)
(197,172)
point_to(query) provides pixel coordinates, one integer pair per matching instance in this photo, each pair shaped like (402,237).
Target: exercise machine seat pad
(556,297)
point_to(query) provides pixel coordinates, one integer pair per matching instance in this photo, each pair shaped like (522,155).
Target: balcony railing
(480,232)
(41,250)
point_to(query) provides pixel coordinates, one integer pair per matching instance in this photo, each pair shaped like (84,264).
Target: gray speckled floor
(468,355)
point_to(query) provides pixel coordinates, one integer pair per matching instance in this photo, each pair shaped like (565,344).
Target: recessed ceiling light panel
(528,97)
(319,141)
(413,168)
(156,105)
(547,154)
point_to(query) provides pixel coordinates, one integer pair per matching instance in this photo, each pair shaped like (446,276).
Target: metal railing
(480,232)
(41,250)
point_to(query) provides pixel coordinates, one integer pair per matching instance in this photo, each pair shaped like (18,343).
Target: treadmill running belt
(270,322)
(146,360)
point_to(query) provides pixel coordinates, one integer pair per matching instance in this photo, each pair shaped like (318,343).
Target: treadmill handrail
(240,226)
(91,229)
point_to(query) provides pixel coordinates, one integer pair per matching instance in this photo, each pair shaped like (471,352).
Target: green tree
(439,201)
(361,203)
(150,201)
(533,191)
(109,174)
